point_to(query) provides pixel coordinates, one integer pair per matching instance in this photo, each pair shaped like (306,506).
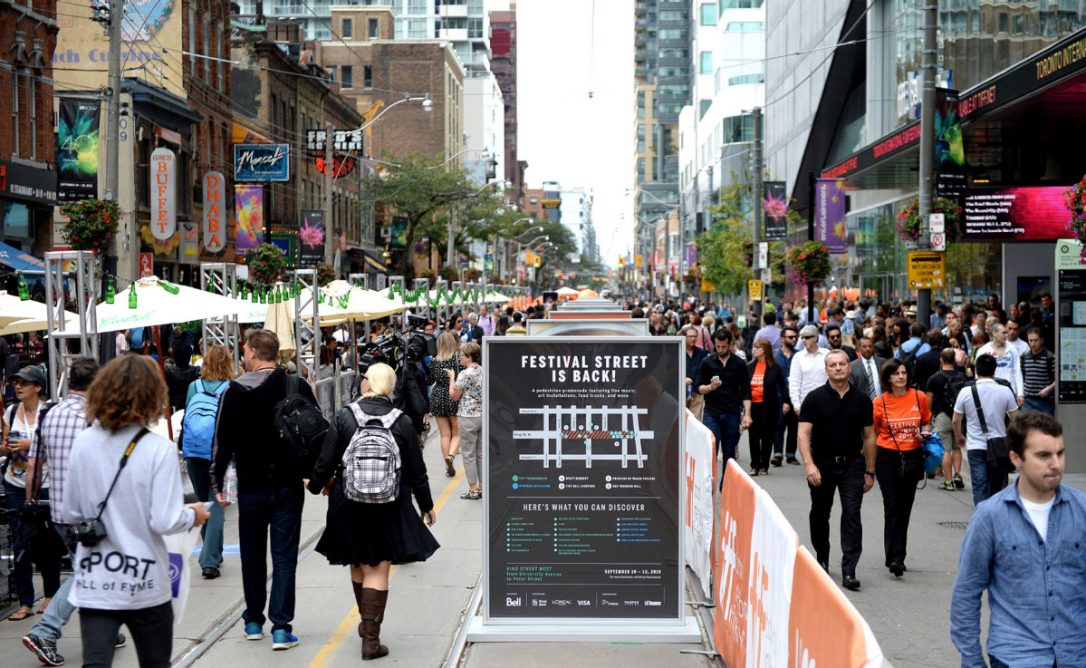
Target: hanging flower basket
(91,224)
(266,263)
(808,263)
(1075,198)
(908,218)
(325,274)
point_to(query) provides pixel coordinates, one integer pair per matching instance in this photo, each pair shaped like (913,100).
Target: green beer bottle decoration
(24,289)
(111,289)
(132,296)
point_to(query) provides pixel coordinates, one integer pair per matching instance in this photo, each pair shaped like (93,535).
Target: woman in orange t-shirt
(902,420)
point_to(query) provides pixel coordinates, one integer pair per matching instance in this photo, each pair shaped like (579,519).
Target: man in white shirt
(1012,338)
(1007,357)
(997,403)
(808,369)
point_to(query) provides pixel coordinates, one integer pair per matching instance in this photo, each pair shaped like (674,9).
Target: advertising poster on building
(249,216)
(77,150)
(949,146)
(1026,213)
(775,206)
(830,215)
(583,478)
(311,238)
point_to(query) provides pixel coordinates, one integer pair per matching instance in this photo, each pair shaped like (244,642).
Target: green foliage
(325,274)
(91,224)
(266,263)
(726,249)
(424,191)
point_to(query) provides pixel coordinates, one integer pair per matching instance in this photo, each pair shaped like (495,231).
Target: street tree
(423,191)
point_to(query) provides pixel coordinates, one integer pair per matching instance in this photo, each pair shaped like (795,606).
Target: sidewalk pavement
(910,616)
(426,606)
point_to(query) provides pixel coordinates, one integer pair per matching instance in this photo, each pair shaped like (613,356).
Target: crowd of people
(847,391)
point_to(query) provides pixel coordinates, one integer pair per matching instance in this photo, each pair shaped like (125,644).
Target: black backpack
(955,382)
(301,428)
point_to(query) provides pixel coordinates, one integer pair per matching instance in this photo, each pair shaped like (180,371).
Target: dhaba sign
(215,210)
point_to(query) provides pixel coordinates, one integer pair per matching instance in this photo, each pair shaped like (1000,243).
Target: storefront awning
(20,261)
(373,261)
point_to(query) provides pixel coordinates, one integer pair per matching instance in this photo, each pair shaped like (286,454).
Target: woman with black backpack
(371,522)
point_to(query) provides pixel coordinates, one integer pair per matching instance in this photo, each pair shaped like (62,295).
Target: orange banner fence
(774,605)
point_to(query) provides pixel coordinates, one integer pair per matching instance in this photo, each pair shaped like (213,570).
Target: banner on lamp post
(214,216)
(311,236)
(163,193)
(830,215)
(775,206)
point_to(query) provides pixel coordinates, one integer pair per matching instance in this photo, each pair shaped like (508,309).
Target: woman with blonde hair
(197,435)
(125,478)
(442,406)
(370,537)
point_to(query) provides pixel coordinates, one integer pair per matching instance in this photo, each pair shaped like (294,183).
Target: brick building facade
(28,35)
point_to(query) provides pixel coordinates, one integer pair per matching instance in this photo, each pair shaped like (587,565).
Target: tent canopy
(20,261)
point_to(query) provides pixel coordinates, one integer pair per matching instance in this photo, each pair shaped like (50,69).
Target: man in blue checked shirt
(1027,546)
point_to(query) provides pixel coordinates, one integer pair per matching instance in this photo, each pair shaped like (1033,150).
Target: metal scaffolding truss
(396,284)
(84,293)
(358,280)
(220,278)
(422,288)
(307,339)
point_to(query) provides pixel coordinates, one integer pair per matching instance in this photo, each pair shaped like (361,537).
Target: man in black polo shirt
(837,443)
(725,382)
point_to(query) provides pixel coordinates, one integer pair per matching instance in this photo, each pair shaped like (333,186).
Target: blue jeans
(725,428)
(281,511)
(200,475)
(49,565)
(985,478)
(1040,404)
(52,621)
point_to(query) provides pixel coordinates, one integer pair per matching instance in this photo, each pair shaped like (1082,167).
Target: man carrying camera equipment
(52,445)
(122,567)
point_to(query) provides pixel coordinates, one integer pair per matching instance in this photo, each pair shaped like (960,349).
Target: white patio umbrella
(567,292)
(161,303)
(12,308)
(36,324)
(495,298)
(370,304)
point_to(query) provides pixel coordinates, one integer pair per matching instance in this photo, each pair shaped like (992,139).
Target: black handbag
(998,453)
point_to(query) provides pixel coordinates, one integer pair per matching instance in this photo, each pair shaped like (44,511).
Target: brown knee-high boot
(357,586)
(373,613)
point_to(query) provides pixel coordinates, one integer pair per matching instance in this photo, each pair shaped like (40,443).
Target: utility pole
(113,104)
(927,143)
(329,183)
(756,209)
(450,247)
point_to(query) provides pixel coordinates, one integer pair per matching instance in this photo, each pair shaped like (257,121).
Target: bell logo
(512,601)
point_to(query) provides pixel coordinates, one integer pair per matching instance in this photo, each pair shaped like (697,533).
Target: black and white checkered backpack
(371,463)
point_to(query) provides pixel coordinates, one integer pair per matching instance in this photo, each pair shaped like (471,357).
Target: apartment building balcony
(453,34)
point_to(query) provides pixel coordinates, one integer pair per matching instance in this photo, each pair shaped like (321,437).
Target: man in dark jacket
(180,374)
(270,491)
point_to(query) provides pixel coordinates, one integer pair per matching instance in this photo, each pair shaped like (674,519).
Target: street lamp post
(330,177)
(505,249)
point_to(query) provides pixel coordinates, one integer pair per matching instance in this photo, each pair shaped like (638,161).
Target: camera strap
(124,460)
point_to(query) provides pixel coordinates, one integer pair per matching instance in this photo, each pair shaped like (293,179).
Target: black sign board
(775,206)
(26,183)
(1072,324)
(343,141)
(583,503)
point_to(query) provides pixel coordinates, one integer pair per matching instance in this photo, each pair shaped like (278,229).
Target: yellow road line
(349,623)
